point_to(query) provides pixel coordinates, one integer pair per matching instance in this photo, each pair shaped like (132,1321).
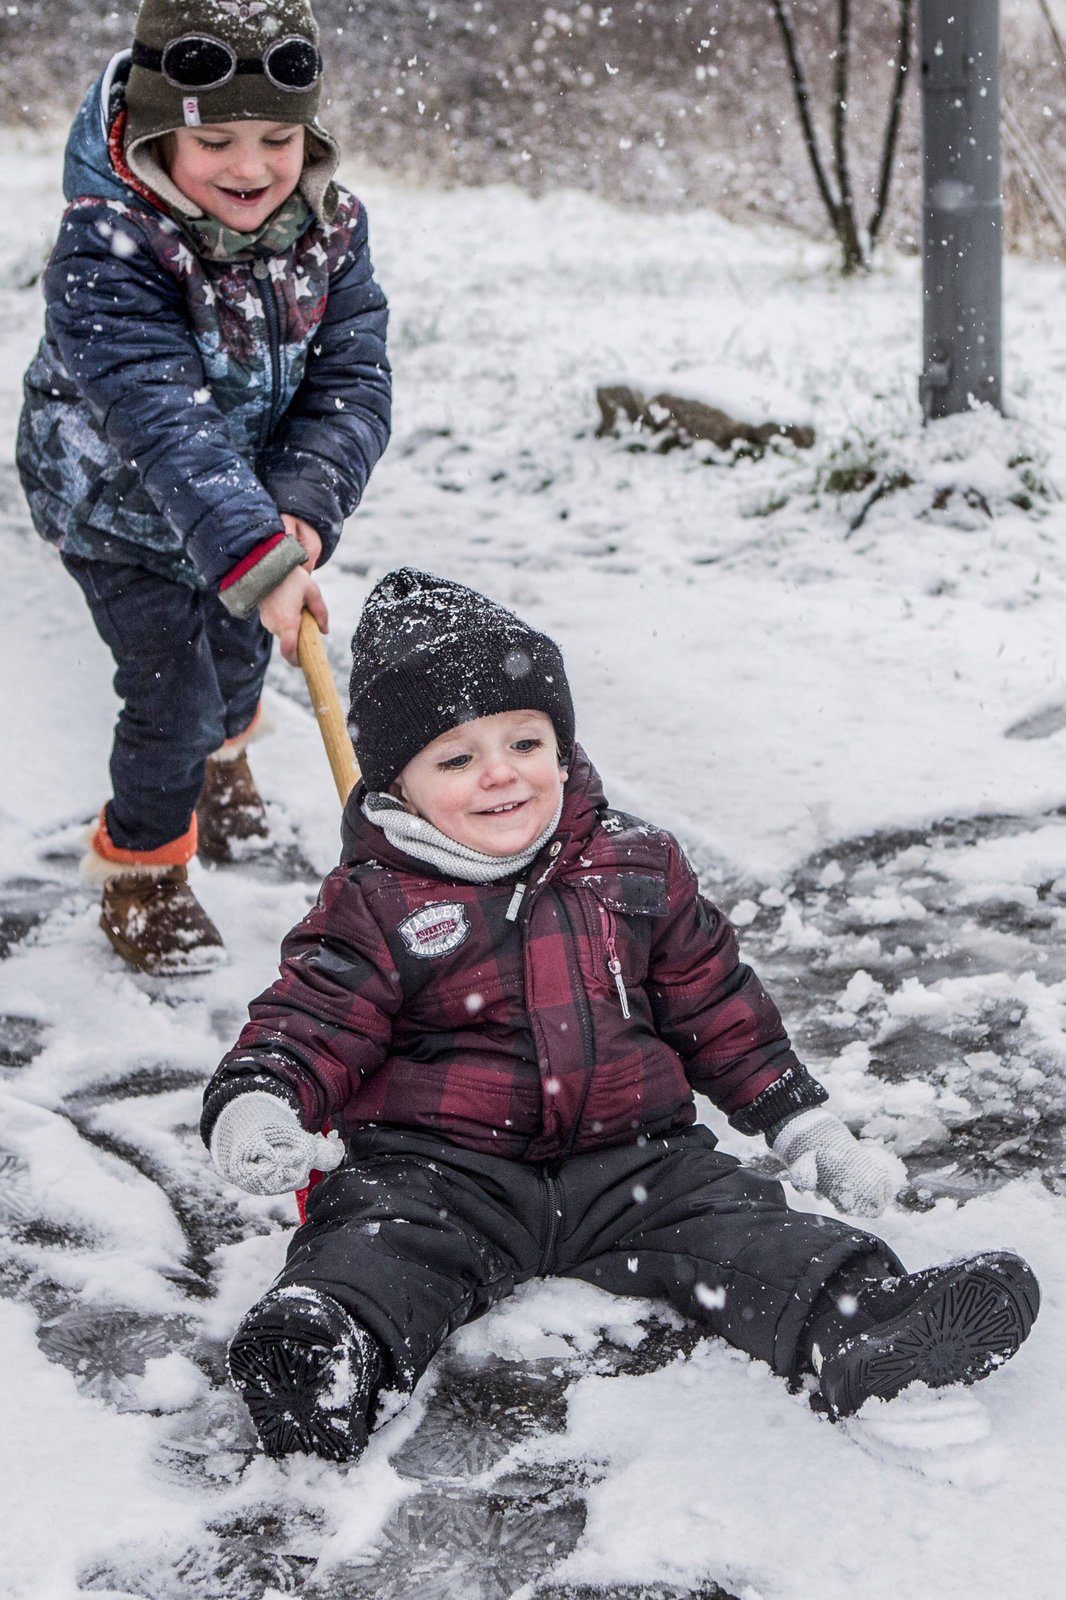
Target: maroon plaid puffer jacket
(585,1020)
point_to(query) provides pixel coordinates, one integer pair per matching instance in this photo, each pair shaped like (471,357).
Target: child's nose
(500,769)
(247,164)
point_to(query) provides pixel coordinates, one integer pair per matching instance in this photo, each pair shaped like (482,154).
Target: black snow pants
(415,1236)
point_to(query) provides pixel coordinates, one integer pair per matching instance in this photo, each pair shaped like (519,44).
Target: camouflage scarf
(216,242)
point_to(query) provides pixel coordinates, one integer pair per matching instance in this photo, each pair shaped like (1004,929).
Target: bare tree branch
(847,226)
(1060,46)
(803,106)
(1031,166)
(841,205)
(888,150)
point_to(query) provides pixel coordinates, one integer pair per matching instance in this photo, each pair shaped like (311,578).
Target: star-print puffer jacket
(177,405)
(580,1012)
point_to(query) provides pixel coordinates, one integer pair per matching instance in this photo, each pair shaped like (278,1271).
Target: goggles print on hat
(196,61)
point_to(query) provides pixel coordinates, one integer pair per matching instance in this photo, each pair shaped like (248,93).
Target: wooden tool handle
(326,705)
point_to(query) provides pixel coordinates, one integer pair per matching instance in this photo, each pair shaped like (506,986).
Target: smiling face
(237,172)
(493,784)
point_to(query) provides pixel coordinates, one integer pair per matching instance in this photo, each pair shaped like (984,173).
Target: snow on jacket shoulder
(178,404)
(588,1020)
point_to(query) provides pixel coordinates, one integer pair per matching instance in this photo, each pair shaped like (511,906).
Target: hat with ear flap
(429,654)
(202,61)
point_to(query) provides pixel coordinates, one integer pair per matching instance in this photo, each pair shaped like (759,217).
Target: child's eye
(280,143)
(212,144)
(524,745)
(453,764)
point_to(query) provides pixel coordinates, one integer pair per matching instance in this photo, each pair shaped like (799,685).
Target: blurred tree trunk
(857,244)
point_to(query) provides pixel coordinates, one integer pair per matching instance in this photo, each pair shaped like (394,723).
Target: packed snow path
(855,723)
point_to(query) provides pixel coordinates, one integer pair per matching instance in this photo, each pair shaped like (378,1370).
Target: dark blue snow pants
(415,1236)
(189,677)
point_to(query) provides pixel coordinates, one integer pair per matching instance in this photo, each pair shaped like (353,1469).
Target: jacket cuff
(260,572)
(316,503)
(243,1082)
(795,1090)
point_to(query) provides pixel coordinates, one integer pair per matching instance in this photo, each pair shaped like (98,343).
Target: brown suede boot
(148,911)
(157,925)
(229,811)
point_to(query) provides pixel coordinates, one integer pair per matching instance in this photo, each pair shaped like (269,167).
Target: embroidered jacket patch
(435,930)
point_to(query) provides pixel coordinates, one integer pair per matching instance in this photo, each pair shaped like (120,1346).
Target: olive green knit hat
(201,61)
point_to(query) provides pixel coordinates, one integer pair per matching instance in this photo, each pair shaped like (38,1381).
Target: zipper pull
(614,967)
(511,914)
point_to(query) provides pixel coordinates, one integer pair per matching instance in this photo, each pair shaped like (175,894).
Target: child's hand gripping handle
(326,705)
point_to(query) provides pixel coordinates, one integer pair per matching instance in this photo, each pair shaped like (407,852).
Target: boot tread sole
(284,1379)
(965,1324)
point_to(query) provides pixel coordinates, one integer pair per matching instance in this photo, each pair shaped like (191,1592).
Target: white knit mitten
(258,1144)
(821,1154)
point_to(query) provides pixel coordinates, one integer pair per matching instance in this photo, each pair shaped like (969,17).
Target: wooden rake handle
(325,703)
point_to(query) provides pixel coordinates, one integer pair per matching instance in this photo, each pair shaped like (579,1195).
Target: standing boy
(204,411)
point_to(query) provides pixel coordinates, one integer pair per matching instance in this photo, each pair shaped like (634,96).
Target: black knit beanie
(264,45)
(429,654)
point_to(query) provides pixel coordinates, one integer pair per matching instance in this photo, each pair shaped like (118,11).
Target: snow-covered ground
(855,722)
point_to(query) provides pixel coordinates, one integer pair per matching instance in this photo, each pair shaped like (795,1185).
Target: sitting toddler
(503,1001)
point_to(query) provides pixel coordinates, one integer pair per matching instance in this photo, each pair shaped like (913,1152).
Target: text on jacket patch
(436,929)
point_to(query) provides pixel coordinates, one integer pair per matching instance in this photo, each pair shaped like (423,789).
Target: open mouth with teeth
(503,810)
(245,197)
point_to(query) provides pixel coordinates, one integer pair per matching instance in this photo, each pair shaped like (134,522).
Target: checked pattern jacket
(586,1018)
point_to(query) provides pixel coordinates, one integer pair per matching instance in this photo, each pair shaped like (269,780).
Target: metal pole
(962,223)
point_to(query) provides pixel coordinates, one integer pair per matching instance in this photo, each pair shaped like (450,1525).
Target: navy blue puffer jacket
(177,405)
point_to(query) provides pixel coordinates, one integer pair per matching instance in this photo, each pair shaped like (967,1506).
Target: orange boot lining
(176,853)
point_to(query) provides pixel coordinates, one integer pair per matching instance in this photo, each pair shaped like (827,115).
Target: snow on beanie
(202,61)
(429,654)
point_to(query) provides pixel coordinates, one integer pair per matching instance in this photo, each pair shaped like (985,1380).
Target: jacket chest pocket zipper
(261,274)
(614,966)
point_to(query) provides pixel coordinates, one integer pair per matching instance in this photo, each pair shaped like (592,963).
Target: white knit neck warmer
(422,840)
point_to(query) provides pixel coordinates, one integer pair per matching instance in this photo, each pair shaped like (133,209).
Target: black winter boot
(950,1324)
(307,1373)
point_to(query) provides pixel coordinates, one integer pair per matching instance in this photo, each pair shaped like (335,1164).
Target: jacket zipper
(583,1012)
(551,1189)
(261,274)
(584,1018)
(614,966)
